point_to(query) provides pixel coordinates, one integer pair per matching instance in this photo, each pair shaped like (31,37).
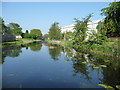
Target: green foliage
(15,28)
(98,37)
(80,31)
(26,34)
(107,86)
(27,31)
(112,19)
(3,28)
(118,86)
(54,31)
(69,36)
(35,46)
(45,36)
(54,51)
(36,34)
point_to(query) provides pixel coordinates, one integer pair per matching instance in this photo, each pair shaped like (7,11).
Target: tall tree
(36,33)
(69,35)
(3,28)
(112,19)
(27,31)
(26,34)
(54,31)
(80,30)
(15,28)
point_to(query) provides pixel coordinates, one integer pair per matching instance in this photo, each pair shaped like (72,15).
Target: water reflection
(54,51)
(84,64)
(35,46)
(10,51)
(14,50)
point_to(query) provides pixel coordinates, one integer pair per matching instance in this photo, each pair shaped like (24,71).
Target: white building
(91,26)
(18,36)
(69,28)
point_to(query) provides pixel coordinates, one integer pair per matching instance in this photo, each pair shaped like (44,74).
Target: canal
(43,65)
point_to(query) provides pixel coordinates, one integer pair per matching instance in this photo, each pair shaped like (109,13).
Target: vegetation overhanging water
(84,69)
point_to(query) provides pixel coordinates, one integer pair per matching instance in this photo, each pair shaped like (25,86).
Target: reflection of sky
(37,70)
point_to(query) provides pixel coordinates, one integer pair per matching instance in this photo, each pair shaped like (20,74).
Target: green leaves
(65,61)
(103,65)
(35,33)
(84,62)
(118,86)
(96,67)
(112,19)
(80,31)
(107,86)
(15,28)
(54,31)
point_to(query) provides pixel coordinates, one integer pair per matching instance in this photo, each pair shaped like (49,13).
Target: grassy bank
(111,48)
(61,42)
(21,41)
(107,48)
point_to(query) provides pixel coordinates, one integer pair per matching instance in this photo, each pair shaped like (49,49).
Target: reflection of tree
(11,51)
(54,51)
(68,52)
(14,50)
(111,74)
(79,66)
(35,46)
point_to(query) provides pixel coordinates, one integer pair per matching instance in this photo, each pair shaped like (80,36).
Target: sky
(40,15)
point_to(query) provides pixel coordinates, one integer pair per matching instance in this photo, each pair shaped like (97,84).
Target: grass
(61,42)
(110,48)
(21,41)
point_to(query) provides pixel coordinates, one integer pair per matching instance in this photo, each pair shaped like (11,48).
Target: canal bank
(110,48)
(21,41)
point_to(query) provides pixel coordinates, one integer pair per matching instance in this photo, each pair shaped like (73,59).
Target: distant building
(91,26)
(18,36)
(69,28)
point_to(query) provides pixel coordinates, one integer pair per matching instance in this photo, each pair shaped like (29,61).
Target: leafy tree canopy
(112,19)
(3,27)
(15,28)
(80,30)
(54,31)
(36,33)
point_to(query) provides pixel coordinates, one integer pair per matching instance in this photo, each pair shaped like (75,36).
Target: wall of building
(91,26)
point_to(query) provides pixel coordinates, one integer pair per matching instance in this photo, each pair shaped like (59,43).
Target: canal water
(42,65)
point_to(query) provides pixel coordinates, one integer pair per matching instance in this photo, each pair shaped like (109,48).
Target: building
(69,28)
(91,26)
(18,36)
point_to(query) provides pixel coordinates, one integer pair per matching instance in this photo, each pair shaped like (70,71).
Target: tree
(15,28)
(36,34)
(3,28)
(26,34)
(98,37)
(36,46)
(54,51)
(45,36)
(69,35)
(80,31)
(54,31)
(27,31)
(112,19)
